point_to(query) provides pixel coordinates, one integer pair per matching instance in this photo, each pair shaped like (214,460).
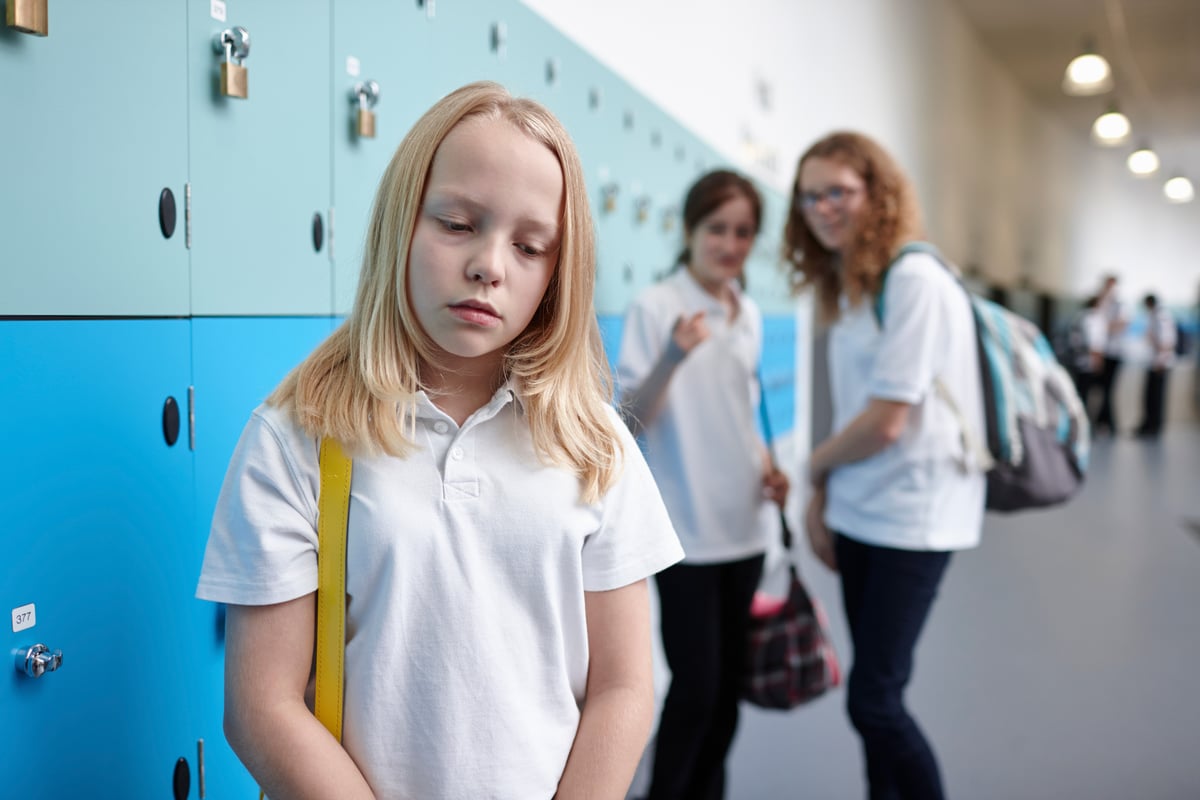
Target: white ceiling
(1154,49)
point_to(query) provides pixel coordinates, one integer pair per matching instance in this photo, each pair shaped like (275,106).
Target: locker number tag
(216,10)
(24,617)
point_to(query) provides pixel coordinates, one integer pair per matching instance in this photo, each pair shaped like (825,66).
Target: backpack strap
(911,247)
(972,444)
(333,512)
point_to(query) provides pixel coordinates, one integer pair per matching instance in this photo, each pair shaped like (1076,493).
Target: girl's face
(486,242)
(720,243)
(833,198)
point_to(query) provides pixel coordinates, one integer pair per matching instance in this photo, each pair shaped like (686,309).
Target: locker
(98,538)
(236,364)
(259,167)
(416,58)
(79,212)
(388,43)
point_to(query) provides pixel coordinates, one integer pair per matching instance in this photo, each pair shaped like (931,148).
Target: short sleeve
(262,547)
(635,539)
(912,323)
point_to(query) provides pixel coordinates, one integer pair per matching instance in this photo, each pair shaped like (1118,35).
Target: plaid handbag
(789,656)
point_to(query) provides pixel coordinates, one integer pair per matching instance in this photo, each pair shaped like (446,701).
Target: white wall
(1004,186)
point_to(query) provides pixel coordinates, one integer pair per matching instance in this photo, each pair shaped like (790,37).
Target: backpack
(1182,340)
(1035,449)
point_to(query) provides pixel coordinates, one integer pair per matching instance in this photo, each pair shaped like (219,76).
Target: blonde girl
(502,524)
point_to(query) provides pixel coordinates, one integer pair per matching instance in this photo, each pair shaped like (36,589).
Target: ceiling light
(1087,74)
(1179,190)
(1143,161)
(1111,128)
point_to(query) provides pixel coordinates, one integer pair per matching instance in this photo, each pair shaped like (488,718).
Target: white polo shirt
(467,564)
(913,495)
(703,447)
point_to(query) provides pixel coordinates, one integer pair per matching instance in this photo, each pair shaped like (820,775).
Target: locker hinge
(187,215)
(332,234)
(192,418)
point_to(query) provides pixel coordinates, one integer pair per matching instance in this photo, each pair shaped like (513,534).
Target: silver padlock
(37,660)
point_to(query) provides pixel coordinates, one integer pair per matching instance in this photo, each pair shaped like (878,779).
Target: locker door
(416,55)
(236,364)
(79,214)
(387,43)
(259,166)
(97,542)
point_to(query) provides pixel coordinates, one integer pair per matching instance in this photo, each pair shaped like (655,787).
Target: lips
(476,312)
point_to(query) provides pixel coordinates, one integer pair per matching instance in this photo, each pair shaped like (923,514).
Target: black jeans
(1154,400)
(705,615)
(1107,416)
(887,594)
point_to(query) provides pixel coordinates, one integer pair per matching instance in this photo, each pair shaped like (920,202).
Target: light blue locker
(98,537)
(79,208)
(390,44)
(259,167)
(415,57)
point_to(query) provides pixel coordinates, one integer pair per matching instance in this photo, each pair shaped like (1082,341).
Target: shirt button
(440,426)
(457,454)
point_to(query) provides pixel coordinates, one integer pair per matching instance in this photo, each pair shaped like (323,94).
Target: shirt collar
(508,392)
(696,293)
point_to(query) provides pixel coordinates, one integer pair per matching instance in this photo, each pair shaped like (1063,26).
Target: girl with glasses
(892,493)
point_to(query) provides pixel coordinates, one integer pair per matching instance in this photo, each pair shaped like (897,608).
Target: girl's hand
(819,537)
(775,485)
(689,331)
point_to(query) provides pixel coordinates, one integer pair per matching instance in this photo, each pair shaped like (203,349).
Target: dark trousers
(1085,382)
(887,595)
(1106,417)
(705,615)
(1154,402)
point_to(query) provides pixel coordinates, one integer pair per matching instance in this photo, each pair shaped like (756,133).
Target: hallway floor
(1061,660)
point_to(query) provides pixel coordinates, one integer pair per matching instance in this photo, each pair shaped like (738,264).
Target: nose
(824,202)
(486,264)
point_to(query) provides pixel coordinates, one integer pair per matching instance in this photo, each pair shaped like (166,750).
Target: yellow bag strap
(333,512)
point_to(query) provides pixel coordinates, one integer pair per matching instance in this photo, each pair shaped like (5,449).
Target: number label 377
(24,617)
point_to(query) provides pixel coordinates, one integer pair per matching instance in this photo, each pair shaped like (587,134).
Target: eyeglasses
(836,195)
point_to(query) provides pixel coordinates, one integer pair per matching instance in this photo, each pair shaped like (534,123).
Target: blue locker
(416,57)
(259,167)
(236,362)
(98,536)
(79,208)
(391,45)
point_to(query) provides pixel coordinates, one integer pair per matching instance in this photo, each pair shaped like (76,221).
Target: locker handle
(37,660)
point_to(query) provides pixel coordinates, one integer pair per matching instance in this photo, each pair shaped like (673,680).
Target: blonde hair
(892,218)
(360,385)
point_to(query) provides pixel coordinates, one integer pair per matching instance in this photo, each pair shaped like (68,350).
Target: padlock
(28,16)
(609,194)
(235,44)
(668,219)
(642,209)
(366,123)
(365,95)
(234,80)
